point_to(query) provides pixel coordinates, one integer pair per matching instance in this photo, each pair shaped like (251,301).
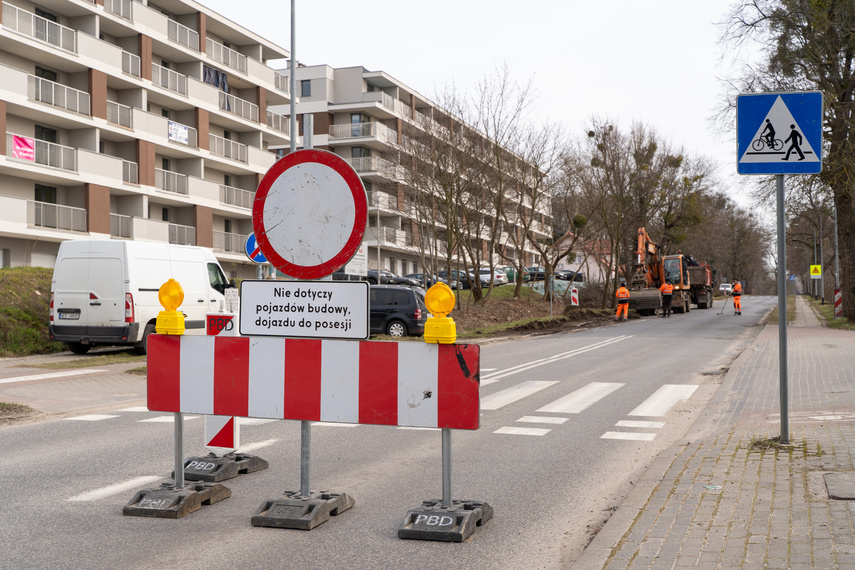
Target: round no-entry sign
(310,214)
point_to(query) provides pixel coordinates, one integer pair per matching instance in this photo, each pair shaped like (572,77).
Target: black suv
(397,311)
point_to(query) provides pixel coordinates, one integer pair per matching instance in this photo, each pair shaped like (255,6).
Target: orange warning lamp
(170,321)
(440,328)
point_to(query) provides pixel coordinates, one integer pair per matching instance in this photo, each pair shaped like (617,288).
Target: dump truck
(651,269)
(702,280)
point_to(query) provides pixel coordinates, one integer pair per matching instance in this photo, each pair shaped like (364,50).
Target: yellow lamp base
(169,322)
(440,330)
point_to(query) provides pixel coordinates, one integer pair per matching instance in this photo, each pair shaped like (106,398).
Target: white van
(104,292)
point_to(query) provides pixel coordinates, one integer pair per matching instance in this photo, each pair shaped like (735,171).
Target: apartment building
(366,117)
(133,120)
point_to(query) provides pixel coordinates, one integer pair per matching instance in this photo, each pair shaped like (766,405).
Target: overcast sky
(655,61)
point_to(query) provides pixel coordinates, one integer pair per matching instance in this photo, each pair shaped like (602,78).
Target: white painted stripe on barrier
(490,378)
(663,399)
(197,376)
(92,418)
(581,399)
(266,361)
(114,489)
(165,419)
(339,385)
(50,375)
(256,446)
(542,420)
(640,424)
(522,431)
(514,393)
(418,385)
(628,436)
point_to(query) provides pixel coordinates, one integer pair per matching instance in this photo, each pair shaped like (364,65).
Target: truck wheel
(688,302)
(141,346)
(79,347)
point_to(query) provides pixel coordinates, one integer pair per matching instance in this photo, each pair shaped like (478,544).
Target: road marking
(490,378)
(254,421)
(135,409)
(257,445)
(165,419)
(92,418)
(50,375)
(514,393)
(542,420)
(639,424)
(576,402)
(663,400)
(628,436)
(114,489)
(522,431)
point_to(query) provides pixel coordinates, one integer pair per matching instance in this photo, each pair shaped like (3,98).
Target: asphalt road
(568,423)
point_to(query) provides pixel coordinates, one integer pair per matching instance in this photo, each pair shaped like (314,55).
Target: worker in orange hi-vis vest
(622,302)
(737,294)
(667,291)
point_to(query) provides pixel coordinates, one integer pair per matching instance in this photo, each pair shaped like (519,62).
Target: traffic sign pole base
(167,502)
(294,510)
(454,523)
(214,469)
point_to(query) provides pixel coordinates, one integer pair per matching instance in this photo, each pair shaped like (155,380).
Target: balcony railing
(58,95)
(281,82)
(236,196)
(238,106)
(227,148)
(130,172)
(121,8)
(182,235)
(364,130)
(227,56)
(278,122)
(373,164)
(44,215)
(183,134)
(168,79)
(229,243)
(170,181)
(183,35)
(28,149)
(39,28)
(131,64)
(119,114)
(120,226)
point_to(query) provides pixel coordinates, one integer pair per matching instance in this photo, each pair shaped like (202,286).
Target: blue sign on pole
(779,133)
(252,250)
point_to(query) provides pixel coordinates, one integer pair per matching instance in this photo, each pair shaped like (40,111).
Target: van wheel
(79,347)
(140,347)
(396,328)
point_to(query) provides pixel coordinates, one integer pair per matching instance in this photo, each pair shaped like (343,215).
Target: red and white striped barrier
(411,384)
(574,297)
(838,303)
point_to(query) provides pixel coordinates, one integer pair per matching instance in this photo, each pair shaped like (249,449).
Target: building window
(306,88)
(227,180)
(46,15)
(45,194)
(45,134)
(164,113)
(165,215)
(164,164)
(360,152)
(370,88)
(227,226)
(45,74)
(227,135)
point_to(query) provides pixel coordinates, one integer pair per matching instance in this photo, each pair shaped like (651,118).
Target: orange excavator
(651,269)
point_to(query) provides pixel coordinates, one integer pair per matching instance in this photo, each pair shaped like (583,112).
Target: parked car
(511,272)
(389,278)
(425,280)
(536,273)
(725,288)
(499,277)
(397,311)
(457,279)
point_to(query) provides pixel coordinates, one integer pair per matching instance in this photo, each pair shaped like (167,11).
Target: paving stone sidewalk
(730,496)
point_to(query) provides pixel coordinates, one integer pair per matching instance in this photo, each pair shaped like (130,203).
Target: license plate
(69,315)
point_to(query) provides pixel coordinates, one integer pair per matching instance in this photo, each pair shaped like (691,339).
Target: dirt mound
(477,317)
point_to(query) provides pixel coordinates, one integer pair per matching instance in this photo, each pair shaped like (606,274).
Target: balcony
(278,122)
(119,114)
(170,182)
(181,133)
(44,215)
(169,79)
(182,235)
(39,28)
(227,56)
(373,165)
(130,172)
(227,148)
(364,132)
(238,197)
(389,237)
(183,35)
(281,82)
(120,226)
(121,8)
(228,242)
(58,95)
(238,106)
(131,64)
(28,149)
